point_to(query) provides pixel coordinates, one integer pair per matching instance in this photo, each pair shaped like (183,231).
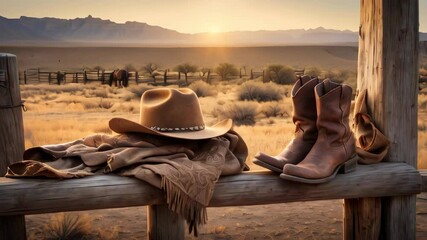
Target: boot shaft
(333,103)
(304,107)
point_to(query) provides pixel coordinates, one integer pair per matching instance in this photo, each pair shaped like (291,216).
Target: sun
(214,29)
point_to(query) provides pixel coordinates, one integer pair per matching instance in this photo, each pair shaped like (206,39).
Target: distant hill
(92,31)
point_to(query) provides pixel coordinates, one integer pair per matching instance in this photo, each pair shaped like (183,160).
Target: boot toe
(274,161)
(302,171)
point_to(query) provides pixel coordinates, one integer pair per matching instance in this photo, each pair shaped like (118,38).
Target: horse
(121,76)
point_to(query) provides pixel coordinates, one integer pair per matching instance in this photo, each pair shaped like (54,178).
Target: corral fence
(159,77)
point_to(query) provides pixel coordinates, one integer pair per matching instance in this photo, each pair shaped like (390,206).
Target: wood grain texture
(360,215)
(11,125)
(163,224)
(11,136)
(387,68)
(33,196)
(423,173)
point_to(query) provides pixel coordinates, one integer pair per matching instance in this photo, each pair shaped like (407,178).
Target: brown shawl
(186,170)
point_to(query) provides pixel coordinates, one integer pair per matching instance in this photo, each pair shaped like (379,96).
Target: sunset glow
(194,16)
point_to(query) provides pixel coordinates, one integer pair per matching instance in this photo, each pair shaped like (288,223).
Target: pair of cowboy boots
(323,144)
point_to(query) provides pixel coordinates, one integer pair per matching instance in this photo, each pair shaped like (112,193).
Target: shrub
(226,70)
(102,93)
(261,92)
(281,74)
(274,109)
(129,67)
(312,71)
(90,105)
(186,68)
(138,90)
(242,113)
(202,89)
(105,104)
(339,75)
(68,226)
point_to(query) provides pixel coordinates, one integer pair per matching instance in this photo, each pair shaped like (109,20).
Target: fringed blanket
(186,170)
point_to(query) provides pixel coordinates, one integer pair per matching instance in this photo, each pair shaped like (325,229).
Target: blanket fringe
(193,212)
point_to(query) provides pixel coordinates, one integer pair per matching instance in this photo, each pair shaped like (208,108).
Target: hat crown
(166,109)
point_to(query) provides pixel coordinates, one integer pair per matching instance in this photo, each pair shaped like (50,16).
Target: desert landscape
(63,113)
(63,58)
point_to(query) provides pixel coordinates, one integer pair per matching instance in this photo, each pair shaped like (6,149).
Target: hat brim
(121,125)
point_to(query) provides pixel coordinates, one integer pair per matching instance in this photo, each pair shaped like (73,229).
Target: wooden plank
(11,136)
(387,68)
(164,224)
(33,196)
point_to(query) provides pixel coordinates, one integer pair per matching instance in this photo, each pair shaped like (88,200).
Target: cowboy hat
(172,113)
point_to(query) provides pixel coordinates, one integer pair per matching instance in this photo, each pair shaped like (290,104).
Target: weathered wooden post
(25,77)
(103,76)
(49,78)
(136,77)
(252,74)
(164,224)
(208,78)
(165,77)
(11,136)
(85,77)
(387,68)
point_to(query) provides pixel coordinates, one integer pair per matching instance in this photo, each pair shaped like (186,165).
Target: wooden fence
(379,199)
(161,77)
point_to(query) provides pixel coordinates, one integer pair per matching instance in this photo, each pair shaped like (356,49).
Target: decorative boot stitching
(342,121)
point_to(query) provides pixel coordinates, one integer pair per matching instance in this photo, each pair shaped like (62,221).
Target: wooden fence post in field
(11,136)
(25,77)
(103,77)
(165,77)
(162,223)
(136,77)
(388,69)
(49,78)
(252,74)
(208,78)
(85,77)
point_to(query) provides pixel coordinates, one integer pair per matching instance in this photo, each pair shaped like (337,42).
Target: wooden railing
(35,196)
(379,199)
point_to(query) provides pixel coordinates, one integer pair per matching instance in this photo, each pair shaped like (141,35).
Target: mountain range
(91,31)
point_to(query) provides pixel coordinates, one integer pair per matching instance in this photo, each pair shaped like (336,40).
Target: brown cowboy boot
(304,117)
(334,149)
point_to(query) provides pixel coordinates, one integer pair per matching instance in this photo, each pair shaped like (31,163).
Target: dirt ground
(57,58)
(300,220)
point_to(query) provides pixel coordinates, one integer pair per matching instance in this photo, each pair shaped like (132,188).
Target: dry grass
(67,113)
(68,226)
(275,109)
(261,92)
(203,89)
(242,113)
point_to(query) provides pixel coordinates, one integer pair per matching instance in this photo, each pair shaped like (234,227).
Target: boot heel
(349,166)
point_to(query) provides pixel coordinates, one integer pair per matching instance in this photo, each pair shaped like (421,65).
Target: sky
(193,16)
